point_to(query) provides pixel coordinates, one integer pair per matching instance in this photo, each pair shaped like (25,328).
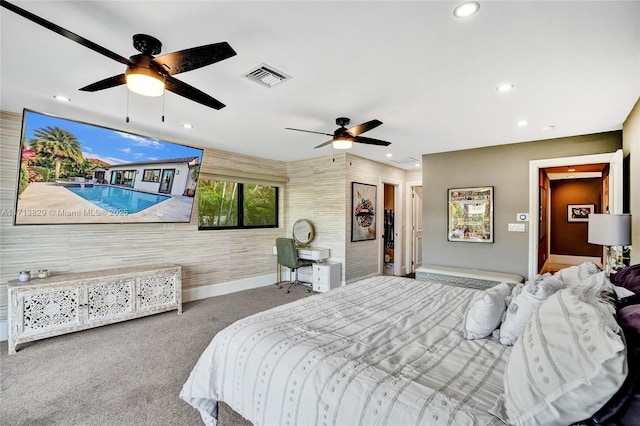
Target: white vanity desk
(322,275)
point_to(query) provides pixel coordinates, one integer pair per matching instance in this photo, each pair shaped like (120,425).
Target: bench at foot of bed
(462,277)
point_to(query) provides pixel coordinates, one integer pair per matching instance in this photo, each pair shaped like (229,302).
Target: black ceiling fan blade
(65,33)
(309,131)
(183,89)
(324,144)
(370,141)
(194,58)
(364,127)
(107,83)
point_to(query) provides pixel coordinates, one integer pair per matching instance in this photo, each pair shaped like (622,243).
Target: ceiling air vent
(266,75)
(405,160)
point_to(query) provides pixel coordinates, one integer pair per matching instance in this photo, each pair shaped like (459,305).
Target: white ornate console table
(70,302)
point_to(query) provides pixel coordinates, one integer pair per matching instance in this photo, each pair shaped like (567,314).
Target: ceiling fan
(343,138)
(147,74)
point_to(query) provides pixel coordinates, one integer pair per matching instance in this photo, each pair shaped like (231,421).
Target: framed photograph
(363,211)
(470,215)
(579,212)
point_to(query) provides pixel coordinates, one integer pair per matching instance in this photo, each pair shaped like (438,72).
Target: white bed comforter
(382,351)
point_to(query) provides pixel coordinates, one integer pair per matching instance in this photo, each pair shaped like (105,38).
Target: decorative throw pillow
(485,311)
(524,304)
(577,274)
(624,407)
(628,278)
(570,360)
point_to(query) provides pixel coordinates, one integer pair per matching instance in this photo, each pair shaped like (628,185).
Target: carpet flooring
(128,373)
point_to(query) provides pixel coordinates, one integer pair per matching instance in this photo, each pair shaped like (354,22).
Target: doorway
(390,222)
(612,196)
(166,181)
(565,190)
(416,228)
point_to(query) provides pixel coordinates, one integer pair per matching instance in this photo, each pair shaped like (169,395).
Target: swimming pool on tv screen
(112,198)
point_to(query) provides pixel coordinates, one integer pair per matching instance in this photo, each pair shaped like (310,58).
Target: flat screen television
(72,172)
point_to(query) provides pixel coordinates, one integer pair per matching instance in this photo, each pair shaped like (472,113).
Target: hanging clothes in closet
(388,229)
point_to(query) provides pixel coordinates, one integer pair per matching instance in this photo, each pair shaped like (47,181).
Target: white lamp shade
(610,229)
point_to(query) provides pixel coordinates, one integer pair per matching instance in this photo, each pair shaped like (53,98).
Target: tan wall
(506,168)
(631,145)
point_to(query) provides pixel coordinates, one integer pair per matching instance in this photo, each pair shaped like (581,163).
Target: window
(151,175)
(229,205)
(123,177)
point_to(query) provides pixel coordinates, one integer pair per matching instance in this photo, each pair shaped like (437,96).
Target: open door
(416,227)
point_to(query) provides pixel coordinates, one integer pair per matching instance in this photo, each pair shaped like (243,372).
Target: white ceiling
(430,78)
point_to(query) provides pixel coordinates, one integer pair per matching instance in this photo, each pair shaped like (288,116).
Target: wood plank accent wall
(316,192)
(363,257)
(206,257)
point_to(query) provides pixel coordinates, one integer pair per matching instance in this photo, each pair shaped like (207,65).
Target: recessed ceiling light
(61,98)
(417,164)
(389,155)
(466,9)
(547,128)
(187,126)
(523,123)
(504,87)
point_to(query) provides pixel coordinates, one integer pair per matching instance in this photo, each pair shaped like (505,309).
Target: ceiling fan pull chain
(127,119)
(163,95)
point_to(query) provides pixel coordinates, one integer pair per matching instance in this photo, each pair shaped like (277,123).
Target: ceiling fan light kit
(144,81)
(342,143)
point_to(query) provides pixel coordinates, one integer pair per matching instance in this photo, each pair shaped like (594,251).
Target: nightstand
(326,276)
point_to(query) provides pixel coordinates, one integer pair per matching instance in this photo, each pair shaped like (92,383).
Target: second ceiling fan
(343,137)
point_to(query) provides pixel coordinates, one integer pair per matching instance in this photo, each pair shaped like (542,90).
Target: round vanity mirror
(303,232)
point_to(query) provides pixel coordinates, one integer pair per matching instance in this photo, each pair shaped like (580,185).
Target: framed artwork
(470,214)
(579,212)
(363,211)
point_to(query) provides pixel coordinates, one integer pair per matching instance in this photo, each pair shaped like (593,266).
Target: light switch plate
(517,227)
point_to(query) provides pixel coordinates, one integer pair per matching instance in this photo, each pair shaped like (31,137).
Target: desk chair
(288,256)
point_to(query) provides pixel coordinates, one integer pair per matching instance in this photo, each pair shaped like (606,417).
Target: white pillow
(577,274)
(524,304)
(570,360)
(485,311)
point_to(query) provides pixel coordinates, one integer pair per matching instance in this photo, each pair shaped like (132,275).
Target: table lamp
(610,230)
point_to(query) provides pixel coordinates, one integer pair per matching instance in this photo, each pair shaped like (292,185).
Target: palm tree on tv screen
(58,144)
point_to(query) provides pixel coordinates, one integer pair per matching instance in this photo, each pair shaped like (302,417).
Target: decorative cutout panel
(50,309)
(156,291)
(109,299)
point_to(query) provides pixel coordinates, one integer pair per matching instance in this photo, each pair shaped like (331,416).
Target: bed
(398,351)
(384,350)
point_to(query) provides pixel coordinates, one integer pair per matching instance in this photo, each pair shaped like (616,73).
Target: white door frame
(397,225)
(615,192)
(410,232)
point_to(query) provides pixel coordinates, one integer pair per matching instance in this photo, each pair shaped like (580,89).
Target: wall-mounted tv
(72,172)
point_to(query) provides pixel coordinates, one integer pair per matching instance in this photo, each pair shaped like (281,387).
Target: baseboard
(202,292)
